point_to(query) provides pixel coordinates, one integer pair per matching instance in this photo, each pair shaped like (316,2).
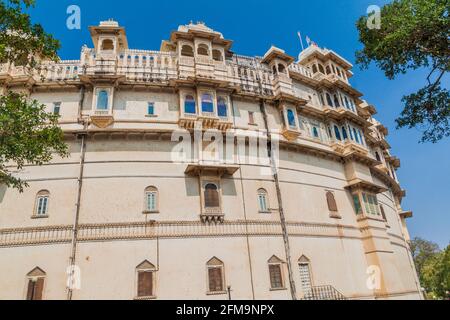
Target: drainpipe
(245,212)
(82,136)
(279,197)
(280,201)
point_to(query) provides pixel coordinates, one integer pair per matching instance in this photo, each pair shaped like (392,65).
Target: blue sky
(255,26)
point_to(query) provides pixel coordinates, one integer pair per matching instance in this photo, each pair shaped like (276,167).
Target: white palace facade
(319,218)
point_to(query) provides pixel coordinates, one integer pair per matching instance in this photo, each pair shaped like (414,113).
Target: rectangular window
(151,201)
(276,279)
(145,284)
(305,280)
(366,203)
(151,109)
(215,279)
(357,204)
(262,203)
(35,289)
(42,206)
(251,117)
(57,108)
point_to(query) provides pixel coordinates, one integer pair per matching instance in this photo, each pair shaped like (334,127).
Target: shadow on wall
(2,192)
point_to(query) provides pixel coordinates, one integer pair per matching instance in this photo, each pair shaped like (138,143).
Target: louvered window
(332,206)
(145,283)
(211,196)
(276,279)
(215,279)
(305,279)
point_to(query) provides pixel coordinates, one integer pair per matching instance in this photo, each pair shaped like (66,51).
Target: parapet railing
(324,293)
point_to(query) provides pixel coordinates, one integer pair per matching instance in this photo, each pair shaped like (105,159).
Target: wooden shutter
(215,279)
(383,213)
(332,206)
(145,284)
(38,289)
(276,281)
(30,290)
(211,196)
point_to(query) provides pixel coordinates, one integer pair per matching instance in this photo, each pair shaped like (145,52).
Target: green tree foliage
(433,267)
(414,34)
(28,134)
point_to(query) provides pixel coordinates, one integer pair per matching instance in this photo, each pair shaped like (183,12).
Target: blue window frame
(291,118)
(337,133)
(56,108)
(356,135)
(189,105)
(351,134)
(361,137)
(344,134)
(151,109)
(315,132)
(207,103)
(222,108)
(102,100)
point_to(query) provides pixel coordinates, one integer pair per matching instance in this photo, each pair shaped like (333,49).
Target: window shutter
(30,290)
(276,281)
(383,213)
(145,284)
(38,289)
(332,206)
(211,197)
(215,279)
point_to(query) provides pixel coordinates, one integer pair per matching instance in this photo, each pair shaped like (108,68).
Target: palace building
(319,218)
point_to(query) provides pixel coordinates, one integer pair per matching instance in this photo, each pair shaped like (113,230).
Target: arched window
(328,69)
(262,201)
(145,280)
(377,155)
(347,104)
(355,133)
(207,103)
(314,68)
(203,50)
(331,201)
(212,196)
(187,51)
(217,55)
(337,133)
(344,134)
(336,101)
(329,101)
(276,273)
(35,286)
(315,132)
(102,100)
(151,200)
(274,70)
(291,118)
(107,45)
(321,70)
(350,131)
(42,203)
(222,108)
(189,105)
(216,276)
(304,266)
(281,68)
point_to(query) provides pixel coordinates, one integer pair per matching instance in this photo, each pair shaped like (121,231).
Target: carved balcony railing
(324,293)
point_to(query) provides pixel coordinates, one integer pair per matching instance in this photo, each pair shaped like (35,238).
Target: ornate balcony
(291,134)
(102,119)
